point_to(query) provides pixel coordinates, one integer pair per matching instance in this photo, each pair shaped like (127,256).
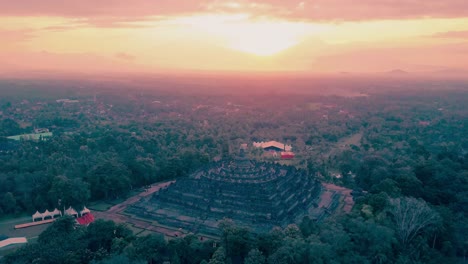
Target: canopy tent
(46,214)
(72,212)
(56,213)
(85,211)
(37,215)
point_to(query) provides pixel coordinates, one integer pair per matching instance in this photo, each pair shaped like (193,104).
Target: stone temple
(253,194)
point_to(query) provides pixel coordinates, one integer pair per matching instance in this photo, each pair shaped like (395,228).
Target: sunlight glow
(261,37)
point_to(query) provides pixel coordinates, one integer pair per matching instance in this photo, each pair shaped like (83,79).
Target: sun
(261,38)
(240,32)
(263,46)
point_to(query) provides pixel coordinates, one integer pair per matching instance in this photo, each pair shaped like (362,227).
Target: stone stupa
(256,195)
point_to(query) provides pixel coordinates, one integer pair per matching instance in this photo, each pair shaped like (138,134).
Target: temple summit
(253,194)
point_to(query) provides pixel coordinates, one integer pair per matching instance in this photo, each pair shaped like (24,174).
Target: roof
(85,211)
(275,144)
(56,212)
(37,215)
(71,211)
(85,219)
(36,136)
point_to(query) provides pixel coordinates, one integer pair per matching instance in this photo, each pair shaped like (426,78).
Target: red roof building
(85,219)
(287,155)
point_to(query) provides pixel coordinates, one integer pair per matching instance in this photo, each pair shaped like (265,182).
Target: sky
(310,36)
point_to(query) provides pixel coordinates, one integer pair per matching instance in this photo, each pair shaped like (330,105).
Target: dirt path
(121,206)
(114,213)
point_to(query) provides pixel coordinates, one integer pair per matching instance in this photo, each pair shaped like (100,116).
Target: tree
(9,127)
(292,251)
(71,192)
(219,257)
(62,242)
(9,203)
(118,259)
(149,248)
(271,241)
(108,179)
(190,249)
(307,226)
(292,231)
(370,240)
(236,240)
(107,235)
(389,186)
(255,256)
(411,217)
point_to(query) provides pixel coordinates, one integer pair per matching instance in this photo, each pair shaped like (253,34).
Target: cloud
(92,8)
(349,10)
(16,35)
(12,39)
(452,34)
(314,10)
(124,56)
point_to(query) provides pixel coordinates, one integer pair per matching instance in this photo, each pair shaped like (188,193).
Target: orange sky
(214,35)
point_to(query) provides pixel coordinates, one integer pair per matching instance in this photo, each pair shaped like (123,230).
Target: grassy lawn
(145,233)
(135,230)
(7,223)
(118,201)
(100,206)
(13,218)
(141,219)
(10,249)
(7,227)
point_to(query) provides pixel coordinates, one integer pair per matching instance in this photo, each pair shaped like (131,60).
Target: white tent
(56,213)
(37,215)
(71,211)
(85,211)
(47,213)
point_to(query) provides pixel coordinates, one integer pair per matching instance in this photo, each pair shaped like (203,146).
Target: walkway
(115,213)
(35,223)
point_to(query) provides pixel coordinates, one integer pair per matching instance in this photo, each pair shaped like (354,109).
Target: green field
(7,227)
(100,206)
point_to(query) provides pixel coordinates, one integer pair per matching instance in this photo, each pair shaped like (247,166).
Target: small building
(71,212)
(37,217)
(41,130)
(33,137)
(85,211)
(272,146)
(287,155)
(86,219)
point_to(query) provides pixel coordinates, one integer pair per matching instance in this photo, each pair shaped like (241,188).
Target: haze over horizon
(144,36)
